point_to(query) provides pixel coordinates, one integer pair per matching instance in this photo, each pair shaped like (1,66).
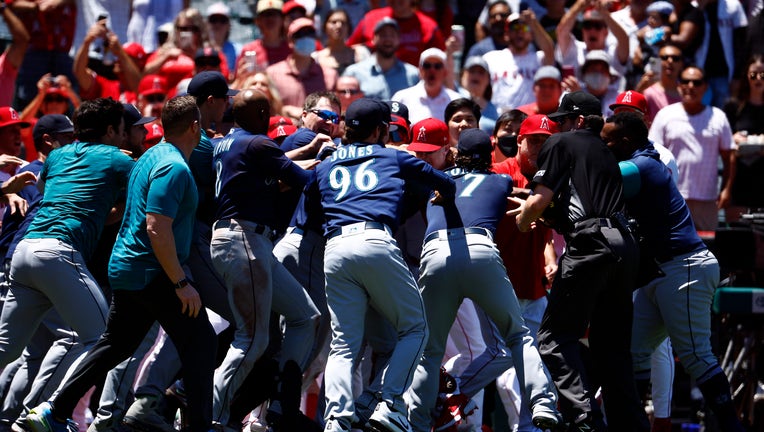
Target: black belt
(356,228)
(444,234)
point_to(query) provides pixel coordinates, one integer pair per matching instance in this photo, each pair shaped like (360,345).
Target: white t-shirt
(512,77)
(695,141)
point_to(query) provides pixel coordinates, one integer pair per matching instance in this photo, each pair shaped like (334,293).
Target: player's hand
(17,204)
(17,182)
(519,202)
(190,300)
(7,160)
(320,141)
(438,199)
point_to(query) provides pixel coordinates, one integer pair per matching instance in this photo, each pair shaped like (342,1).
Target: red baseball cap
(152,84)
(402,127)
(291,5)
(631,99)
(154,135)
(55,90)
(279,126)
(428,135)
(10,117)
(538,124)
(136,52)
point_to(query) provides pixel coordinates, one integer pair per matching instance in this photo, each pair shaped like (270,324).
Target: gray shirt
(381,85)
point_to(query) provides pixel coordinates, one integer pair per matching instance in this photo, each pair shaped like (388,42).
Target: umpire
(578,190)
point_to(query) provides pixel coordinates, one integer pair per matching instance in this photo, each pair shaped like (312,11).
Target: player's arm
(532,208)
(159,228)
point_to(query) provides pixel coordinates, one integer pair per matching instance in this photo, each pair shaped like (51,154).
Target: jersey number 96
(341,178)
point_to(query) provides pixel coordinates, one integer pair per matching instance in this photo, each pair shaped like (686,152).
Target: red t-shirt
(417,33)
(265,56)
(522,253)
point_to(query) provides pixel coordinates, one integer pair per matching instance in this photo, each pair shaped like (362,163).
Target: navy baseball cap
(209,83)
(475,143)
(367,113)
(52,124)
(133,117)
(577,103)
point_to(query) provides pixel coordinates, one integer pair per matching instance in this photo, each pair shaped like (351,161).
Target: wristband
(181,283)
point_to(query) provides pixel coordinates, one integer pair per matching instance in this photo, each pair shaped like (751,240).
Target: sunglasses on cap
(327,115)
(399,135)
(436,66)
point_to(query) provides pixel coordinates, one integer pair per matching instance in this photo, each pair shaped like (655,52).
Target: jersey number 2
(340,179)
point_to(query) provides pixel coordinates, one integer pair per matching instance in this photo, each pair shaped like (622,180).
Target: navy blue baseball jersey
(365,182)
(660,210)
(248,169)
(301,137)
(480,201)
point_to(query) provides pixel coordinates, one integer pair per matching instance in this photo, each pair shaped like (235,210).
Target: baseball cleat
(385,419)
(40,419)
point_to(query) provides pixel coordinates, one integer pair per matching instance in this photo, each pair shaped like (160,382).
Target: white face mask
(305,46)
(596,81)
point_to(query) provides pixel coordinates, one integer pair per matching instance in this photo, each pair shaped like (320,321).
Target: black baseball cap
(577,103)
(475,143)
(209,83)
(133,117)
(366,113)
(52,124)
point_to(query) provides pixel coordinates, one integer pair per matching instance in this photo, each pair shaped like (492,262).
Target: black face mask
(507,145)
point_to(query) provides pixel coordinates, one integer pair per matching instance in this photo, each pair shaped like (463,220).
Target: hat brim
(614,106)
(144,120)
(538,131)
(22,123)
(555,116)
(423,147)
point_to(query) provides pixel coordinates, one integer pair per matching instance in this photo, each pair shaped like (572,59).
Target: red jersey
(522,253)
(52,30)
(417,33)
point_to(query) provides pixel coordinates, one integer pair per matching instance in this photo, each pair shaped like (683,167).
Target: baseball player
(249,166)
(459,260)
(677,301)
(360,186)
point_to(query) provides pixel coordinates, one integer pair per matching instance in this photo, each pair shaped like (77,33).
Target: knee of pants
(696,363)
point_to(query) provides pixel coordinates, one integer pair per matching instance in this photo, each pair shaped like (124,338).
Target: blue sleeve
(422,171)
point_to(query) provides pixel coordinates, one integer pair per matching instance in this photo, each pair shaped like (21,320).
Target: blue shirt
(248,169)
(661,212)
(365,182)
(160,183)
(381,85)
(481,200)
(301,137)
(82,183)
(15,225)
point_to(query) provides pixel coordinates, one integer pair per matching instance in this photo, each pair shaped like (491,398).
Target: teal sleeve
(167,187)
(632,181)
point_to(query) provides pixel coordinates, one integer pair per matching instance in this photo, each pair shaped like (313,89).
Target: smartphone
(654,65)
